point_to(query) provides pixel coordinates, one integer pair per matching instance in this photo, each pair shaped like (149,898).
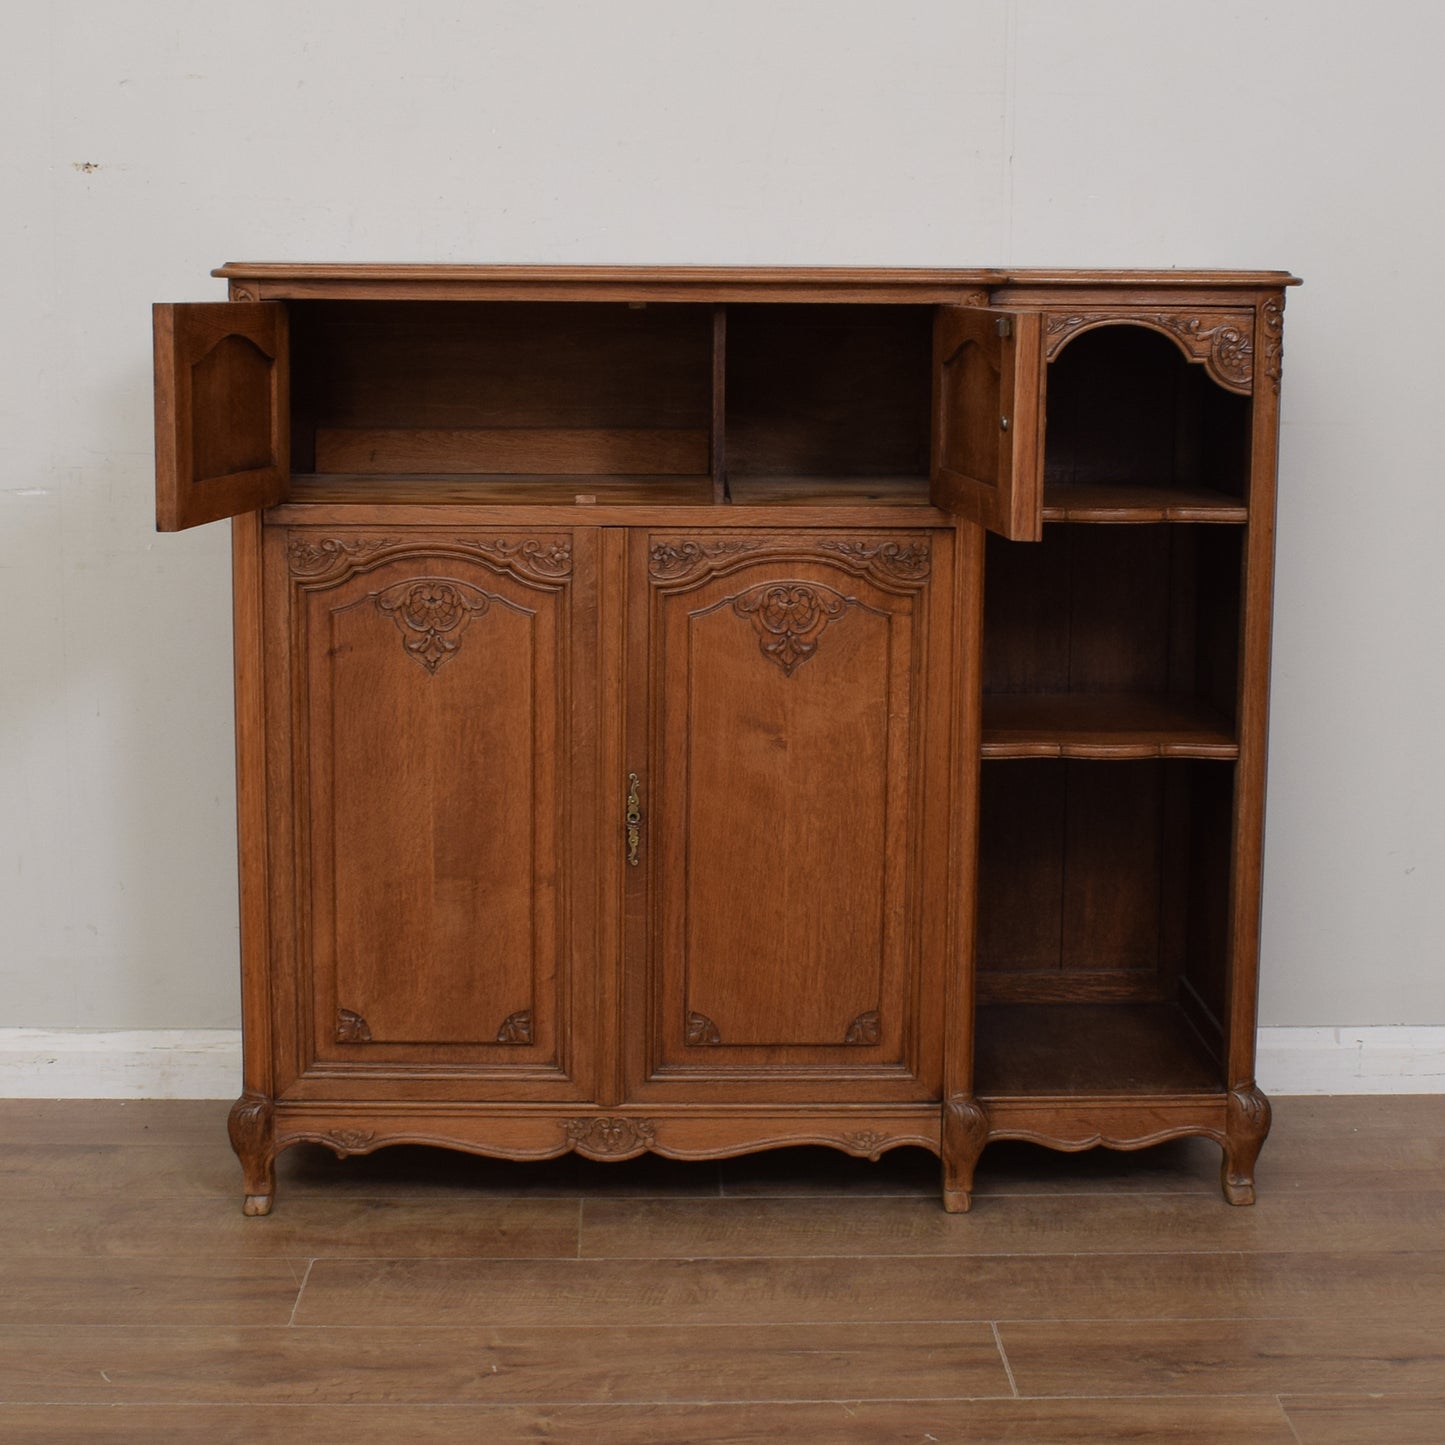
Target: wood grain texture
(1366,1420)
(208,1364)
(893,1422)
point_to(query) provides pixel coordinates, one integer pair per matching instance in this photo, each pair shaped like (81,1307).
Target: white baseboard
(206,1063)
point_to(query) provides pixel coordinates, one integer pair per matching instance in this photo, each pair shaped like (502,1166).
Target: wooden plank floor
(418,1296)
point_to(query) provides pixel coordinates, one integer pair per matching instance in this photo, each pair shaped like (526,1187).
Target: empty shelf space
(1139,502)
(496,489)
(1103,725)
(1031,1050)
(902,491)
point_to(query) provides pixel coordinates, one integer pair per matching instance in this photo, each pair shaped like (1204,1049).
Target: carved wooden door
(988,418)
(442,774)
(782,745)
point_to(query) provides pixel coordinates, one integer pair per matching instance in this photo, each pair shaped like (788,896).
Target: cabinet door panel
(222,410)
(781,933)
(988,419)
(435,772)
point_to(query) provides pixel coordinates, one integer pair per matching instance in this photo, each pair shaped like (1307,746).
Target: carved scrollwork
(901,561)
(1220,341)
(541,559)
(702,1030)
(242,293)
(431,614)
(669,561)
(789,618)
(1271,325)
(865,1029)
(249,1125)
(316,556)
(607,1137)
(516,1028)
(351,1028)
(965,1129)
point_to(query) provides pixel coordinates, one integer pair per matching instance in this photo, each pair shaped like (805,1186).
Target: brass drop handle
(633,818)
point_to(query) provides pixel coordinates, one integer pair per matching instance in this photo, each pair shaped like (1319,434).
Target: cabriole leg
(253,1139)
(1246,1127)
(965,1132)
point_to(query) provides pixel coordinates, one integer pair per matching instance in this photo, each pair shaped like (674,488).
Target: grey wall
(142,143)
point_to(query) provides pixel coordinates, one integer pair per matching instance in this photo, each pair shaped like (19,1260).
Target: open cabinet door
(222,410)
(988,418)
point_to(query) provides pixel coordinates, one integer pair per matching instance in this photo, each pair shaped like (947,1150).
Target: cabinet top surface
(299,278)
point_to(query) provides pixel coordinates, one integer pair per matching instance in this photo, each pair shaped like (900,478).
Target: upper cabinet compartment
(1148,418)
(827,403)
(511,402)
(222,396)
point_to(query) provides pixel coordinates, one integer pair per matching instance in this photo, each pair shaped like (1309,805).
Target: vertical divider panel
(718,449)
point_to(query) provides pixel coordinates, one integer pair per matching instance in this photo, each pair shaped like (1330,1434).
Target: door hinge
(1003,325)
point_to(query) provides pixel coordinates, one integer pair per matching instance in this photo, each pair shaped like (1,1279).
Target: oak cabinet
(701,710)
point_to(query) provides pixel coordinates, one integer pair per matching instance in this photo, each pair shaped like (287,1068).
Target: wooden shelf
(1120,502)
(905,491)
(1103,726)
(497,489)
(1032,1050)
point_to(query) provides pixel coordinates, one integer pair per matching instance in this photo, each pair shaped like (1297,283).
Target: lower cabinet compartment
(1102,927)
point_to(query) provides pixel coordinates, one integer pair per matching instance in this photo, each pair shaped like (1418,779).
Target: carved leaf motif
(516,1028)
(249,1124)
(702,1030)
(619,1135)
(540,559)
(351,1028)
(789,618)
(431,614)
(1272,321)
(315,556)
(909,562)
(865,1029)
(1225,347)
(668,561)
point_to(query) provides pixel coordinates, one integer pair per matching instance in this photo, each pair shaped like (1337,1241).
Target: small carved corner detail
(789,618)
(316,557)
(516,1028)
(249,1125)
(965,1126)
(670,562)
(865,1029)
(897,561)
(241,293)
(351,1028)
(432,614)
(1249,1112)
(702,1030)
(541,560)
(604,1137)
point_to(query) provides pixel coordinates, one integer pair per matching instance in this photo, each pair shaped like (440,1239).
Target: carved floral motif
(867,1141)
(905,561)
(618,1135)
(313,556)
(351,1028)
(350,1140)
(432,614)
(669,561)
(702,1030)
(865,1029)
(1223,344)
(516,1028)
(789,618)
(542,560)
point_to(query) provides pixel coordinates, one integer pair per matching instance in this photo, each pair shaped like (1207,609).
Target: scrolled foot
(253,1139)
(1246,1127)
(965,1132)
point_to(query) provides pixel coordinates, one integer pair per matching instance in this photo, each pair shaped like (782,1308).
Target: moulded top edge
(721,275)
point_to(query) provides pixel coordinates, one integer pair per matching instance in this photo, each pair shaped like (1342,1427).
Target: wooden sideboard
(703,710)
